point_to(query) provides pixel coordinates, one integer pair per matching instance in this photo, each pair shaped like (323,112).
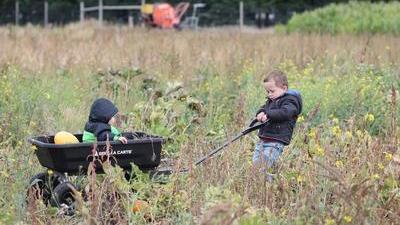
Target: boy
(102,119)
(280,114)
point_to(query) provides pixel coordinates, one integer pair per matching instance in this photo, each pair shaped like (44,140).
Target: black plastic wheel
(42,184)
(63,197)
(38,188)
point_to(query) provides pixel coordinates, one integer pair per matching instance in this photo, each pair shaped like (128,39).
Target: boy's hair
(279,77)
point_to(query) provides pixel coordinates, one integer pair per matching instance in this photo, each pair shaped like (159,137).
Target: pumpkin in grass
(139,205)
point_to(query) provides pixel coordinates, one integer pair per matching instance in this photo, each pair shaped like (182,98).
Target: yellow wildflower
(299,178)
(312,134)
(375,176)
(308,71)
(336,130)
(349,135)
(329,221)
(388,156)
(339,163)
(347,218)
(381,166)
(50,172)
(369,117)
(320,151)
(5,174)
(300,119)
(283,213)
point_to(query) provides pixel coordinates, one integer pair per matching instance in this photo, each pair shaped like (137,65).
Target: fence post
(101,12)
(16,13)
(241,15)
(82,12)
(143,2)
(46,13)
(130,20)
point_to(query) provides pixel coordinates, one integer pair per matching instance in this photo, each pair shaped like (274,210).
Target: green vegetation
(355,17)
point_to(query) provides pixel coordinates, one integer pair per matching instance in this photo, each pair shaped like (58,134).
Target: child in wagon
(280,113)
(103,119)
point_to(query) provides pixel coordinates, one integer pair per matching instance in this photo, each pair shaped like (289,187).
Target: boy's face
(274,91)
(112,121)
(115,121)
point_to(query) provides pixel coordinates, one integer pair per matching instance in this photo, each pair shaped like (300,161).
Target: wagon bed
(142,149)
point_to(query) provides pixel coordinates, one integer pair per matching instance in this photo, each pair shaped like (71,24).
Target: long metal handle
(252,127)
(202,159)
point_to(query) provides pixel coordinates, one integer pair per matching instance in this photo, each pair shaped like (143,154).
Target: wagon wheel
(42,184)
(63,197)
(38,189)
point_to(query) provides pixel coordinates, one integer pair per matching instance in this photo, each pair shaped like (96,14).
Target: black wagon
(143,150)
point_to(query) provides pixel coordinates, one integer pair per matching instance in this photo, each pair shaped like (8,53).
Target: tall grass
(196,89)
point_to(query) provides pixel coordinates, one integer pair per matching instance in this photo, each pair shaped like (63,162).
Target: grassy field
(197,89)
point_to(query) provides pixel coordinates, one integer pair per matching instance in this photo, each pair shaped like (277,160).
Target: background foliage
(224,12)
(355,17)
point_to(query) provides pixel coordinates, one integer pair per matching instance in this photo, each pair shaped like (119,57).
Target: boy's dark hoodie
(282,113)
(101,112)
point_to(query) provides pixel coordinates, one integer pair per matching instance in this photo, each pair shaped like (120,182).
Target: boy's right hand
(262,117)
(123,140)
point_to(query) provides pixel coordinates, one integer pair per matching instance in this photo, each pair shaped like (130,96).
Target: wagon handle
(252,127)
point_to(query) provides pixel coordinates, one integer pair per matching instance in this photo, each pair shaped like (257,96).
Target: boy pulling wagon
(280,113)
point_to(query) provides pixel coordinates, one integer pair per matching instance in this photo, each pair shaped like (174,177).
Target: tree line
(215,13)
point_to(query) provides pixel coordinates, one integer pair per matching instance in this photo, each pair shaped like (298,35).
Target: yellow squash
(64,137)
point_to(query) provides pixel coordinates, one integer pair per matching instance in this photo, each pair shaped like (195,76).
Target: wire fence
(42,12)
(58,13)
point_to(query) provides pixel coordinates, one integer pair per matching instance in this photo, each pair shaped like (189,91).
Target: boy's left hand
(123,140)
(262,117)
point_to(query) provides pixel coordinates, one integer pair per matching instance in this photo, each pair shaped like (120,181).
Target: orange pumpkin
(139,205)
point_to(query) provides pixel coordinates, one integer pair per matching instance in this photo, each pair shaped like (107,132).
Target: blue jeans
(267,153)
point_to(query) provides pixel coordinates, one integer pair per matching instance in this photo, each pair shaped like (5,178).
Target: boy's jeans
(266,154)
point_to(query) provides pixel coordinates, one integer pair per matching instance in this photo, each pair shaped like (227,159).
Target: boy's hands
(262,117)
(123,140)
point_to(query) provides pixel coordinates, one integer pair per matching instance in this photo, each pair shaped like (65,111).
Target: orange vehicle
(163,15)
